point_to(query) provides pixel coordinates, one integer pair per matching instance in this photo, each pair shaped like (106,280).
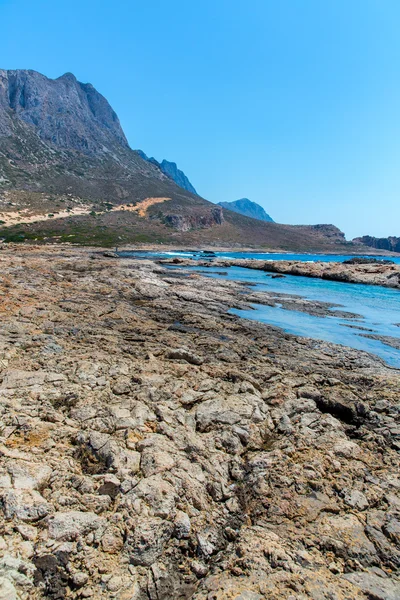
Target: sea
(378,307)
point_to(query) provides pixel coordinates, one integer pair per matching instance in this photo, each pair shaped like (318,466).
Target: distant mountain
(391,243)
(246,207)
(170,169)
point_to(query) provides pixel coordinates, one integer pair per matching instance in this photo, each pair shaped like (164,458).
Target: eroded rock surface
(154,446)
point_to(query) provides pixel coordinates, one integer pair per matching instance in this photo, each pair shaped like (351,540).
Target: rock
(355,499)
(121,387)
(115,584)
(249,595)
(158,494)
(224,411)
(110,487)
(375,587)
(182,354)
(199,568)
(146,543)
(17,379)
(346,538)
(7,590)
(80,578)
(109,452)
(392,530)
(182,526)
(74,524)
(153,462)
(347,449)
(28,532)
(390,243)
(26,505)
(171,170)
(204,546)
(112,540)
(29,476)
(16,570)
(88,122)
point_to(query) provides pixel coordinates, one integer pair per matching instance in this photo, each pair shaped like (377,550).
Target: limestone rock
(71,525)
(146,543)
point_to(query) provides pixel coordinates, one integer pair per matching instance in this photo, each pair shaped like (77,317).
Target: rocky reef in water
(154,446)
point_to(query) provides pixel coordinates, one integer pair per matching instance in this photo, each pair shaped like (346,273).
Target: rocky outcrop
(170,169)
(246,207)
(390,243)
(330,231)
(62,111)
(188,223)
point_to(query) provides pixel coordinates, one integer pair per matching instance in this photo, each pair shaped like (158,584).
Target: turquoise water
(257,255)
(378,307)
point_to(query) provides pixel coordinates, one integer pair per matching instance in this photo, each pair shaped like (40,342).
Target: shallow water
(378,307)
(256,255)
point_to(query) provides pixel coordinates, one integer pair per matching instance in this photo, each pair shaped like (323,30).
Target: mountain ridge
(170,169)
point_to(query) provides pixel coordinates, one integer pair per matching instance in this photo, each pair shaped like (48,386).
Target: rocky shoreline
(387,275)
(154,446)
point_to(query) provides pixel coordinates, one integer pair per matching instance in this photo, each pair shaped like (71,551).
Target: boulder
(74,524)
(146,543)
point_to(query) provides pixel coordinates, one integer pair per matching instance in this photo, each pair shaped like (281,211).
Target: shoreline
(371,274)
(154,445)
(171,248)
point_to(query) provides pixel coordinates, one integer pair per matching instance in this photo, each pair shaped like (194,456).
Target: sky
(294,104)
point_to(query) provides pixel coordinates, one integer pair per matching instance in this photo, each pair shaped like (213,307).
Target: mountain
(246,207)
(62,147)
(67,174)
(64,112)
(170,169)
(391,243)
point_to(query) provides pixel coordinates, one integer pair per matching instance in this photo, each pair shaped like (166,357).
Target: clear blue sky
(294,104)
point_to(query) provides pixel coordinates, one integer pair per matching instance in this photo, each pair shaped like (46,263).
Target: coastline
(163,444)
(372,274)
(165,247)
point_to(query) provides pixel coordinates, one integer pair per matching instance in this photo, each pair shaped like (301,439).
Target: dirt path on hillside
(23,216)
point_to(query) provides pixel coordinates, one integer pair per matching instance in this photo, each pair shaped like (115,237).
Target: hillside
(67,173)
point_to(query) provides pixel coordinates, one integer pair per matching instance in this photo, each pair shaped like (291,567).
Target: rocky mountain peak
(170,169)
(69,114)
